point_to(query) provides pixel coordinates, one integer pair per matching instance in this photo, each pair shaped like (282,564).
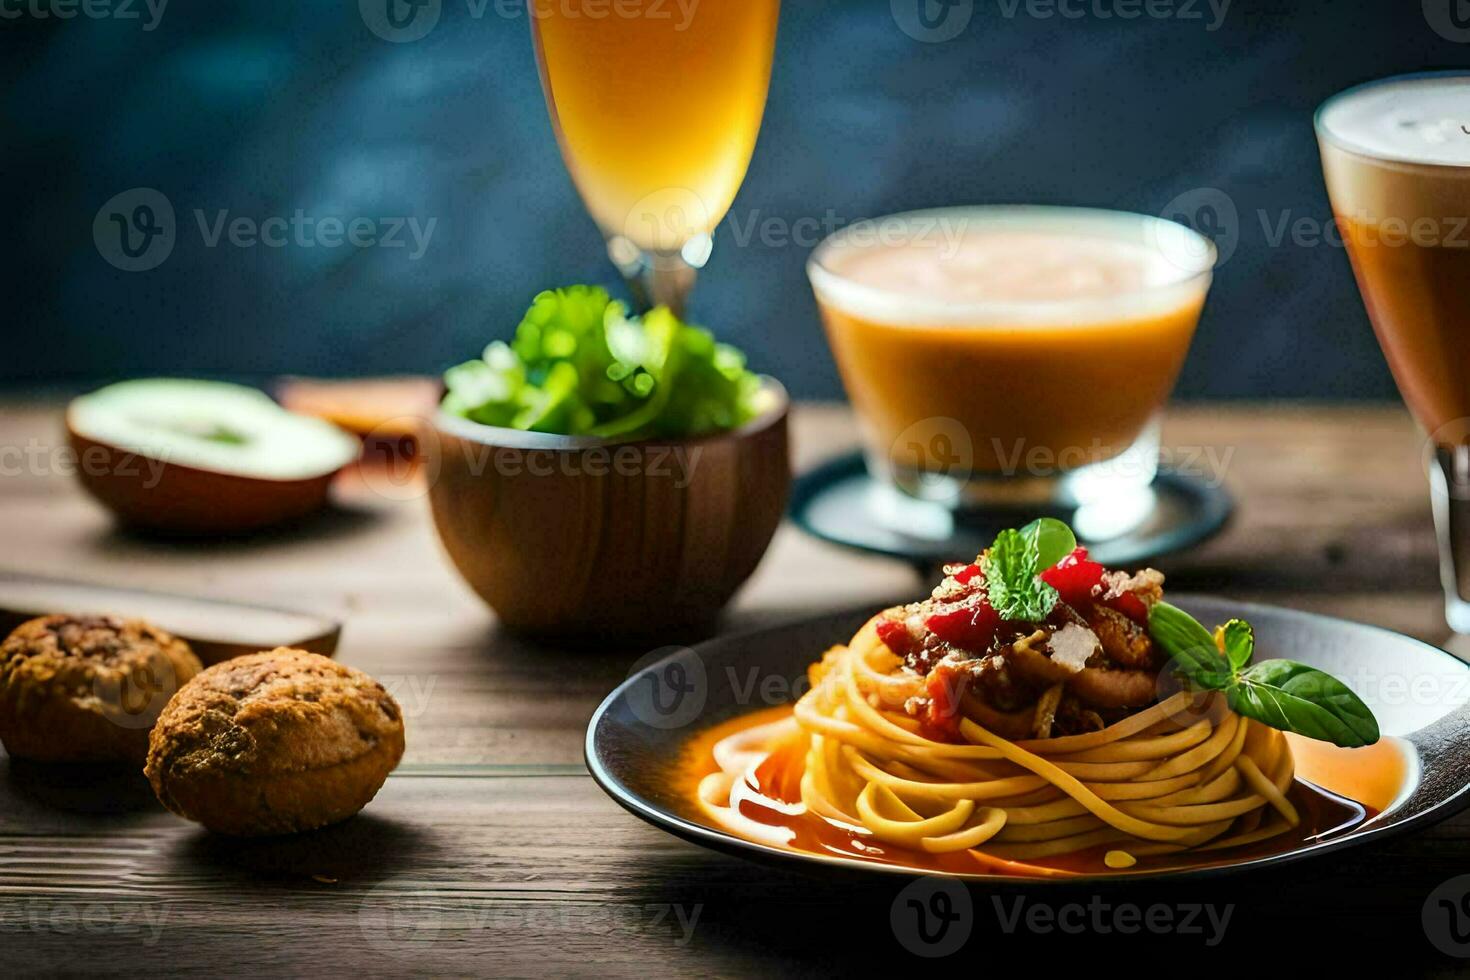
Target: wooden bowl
(574,537)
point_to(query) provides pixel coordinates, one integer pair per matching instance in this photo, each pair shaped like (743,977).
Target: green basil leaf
(1296,698)
(1010,568)
(1240,644)
(1054,540)
(1189,645)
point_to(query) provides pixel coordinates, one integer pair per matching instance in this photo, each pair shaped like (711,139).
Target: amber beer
(1396,156)
(656,105)
(1006,344)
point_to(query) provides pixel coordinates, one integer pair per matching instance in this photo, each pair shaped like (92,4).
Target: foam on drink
(1416,120)
(1058,330)
(1394,149)
(970,267)
(1008,265)
(1396,158)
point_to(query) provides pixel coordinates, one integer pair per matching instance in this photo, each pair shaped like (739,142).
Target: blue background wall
(264,107)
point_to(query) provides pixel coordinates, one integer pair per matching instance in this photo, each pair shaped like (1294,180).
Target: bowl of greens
(605,474)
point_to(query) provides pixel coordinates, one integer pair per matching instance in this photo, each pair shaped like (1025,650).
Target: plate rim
(720,841)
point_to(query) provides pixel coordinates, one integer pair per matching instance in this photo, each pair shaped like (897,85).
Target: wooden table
(492,851)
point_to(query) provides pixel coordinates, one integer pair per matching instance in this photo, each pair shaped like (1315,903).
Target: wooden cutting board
(217,630)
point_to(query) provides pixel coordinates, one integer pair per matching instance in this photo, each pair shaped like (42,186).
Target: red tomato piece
(1075,577)
(942,717)
(969,625)
(967,574)
(896,636)
(1131,606)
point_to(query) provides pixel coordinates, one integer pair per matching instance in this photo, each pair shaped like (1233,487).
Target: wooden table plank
(524,867)
(528,875)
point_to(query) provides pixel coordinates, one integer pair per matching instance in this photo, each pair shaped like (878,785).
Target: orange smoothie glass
(1396,158)
(1012,357)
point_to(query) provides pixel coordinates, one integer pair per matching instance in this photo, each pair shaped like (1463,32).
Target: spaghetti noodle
(1036,707)
(1184,773)
(1039,714)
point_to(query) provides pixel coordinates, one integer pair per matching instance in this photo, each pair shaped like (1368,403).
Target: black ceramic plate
(635,738)
(836,502)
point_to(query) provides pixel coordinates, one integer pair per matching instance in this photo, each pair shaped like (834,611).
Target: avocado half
(202,457)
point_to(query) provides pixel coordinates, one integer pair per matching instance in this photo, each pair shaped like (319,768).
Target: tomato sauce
(1336,792)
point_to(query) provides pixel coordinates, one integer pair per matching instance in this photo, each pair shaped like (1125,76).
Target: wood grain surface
(492,852)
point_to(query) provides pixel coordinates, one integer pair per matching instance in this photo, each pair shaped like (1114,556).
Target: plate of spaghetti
(1041,717)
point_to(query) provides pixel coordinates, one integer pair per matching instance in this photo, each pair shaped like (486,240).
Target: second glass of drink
(1005,359)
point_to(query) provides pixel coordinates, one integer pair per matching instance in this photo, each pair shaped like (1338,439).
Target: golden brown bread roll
(274,743)
(87,688)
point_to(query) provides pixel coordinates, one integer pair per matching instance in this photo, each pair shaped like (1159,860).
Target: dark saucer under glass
(840,502)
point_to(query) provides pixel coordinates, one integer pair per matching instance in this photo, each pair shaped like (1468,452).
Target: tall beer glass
(1396,156)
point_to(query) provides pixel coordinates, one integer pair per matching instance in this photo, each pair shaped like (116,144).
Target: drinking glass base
(1107,499)
(1449,488)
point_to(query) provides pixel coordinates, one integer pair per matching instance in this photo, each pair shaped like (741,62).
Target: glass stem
(1450,490)
(654,278)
